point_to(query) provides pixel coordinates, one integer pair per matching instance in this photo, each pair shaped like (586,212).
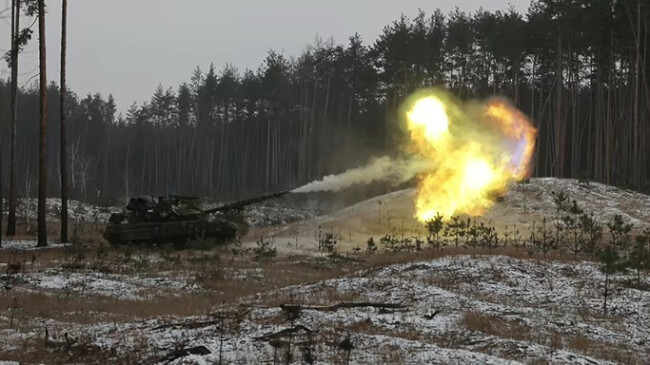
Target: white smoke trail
(392,171)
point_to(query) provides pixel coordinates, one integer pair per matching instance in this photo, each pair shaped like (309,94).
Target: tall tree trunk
(559,126)
(645,133)
(42,148)
(636,135)
(64,146)
(609,136)
(1,187)
(127,192)
(267,178)
(597,163)
(15,31)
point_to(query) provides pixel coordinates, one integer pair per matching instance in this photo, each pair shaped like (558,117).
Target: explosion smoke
(387,169)
(464,155)
(474,151)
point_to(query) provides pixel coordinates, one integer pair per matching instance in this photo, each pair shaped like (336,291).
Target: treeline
(577,67)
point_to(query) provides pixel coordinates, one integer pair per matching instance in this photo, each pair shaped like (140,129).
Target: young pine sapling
(434,226)
(611,263)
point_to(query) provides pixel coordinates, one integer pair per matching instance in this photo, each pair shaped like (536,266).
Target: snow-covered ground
(547,298)
(604,201)
(463,309)
(77,211)
(120,286)
(457,310)
(27,245)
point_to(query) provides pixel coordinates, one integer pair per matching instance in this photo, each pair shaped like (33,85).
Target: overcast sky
(128,47)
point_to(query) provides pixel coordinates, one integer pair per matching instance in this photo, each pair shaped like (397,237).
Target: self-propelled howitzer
(178,220)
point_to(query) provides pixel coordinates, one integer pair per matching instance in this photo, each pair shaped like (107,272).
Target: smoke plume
(391,170)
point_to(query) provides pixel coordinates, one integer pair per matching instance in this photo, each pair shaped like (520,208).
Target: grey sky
(128,47)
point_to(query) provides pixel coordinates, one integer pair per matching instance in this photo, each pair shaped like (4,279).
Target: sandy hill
(521,206)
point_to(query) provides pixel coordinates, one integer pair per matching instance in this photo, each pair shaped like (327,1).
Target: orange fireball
(475,150)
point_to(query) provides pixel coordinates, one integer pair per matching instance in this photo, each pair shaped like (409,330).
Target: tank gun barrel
(242,203)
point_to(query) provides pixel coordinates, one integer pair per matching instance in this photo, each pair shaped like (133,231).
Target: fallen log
(199,324)
(293,308)
(231,315)
(283,333)
(190,325)
(197,350)
(277,343)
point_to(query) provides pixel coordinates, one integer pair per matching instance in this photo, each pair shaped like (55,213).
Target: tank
(178,220)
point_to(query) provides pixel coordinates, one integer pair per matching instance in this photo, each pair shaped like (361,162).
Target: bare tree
(15,45)
(64,152)
(42,161)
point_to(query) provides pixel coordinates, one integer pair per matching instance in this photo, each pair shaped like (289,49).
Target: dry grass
(499,327)
(89,233)
(91,309)
(224,278)
(34,351)
(580,343)
(575,341)
(221,281)
(212,271)
(387,258)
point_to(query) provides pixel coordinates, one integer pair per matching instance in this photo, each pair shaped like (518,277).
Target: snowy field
(27,209)
(466,309)
(456,306)
(26,245)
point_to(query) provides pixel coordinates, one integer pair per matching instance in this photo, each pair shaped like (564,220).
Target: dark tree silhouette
(15,44)
(63,141)
(42,153)
(578,68)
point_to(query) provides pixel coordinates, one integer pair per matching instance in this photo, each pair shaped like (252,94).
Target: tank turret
(178,220)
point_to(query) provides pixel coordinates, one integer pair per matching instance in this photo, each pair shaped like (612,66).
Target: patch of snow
(547,299)
(77,211)
(124,287)
(28,245)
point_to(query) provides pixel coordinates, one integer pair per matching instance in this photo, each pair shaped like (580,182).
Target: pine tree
(63,138)
(611,263)
(639,257)
(42,157)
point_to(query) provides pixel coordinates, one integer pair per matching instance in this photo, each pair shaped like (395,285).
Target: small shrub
(639,257)
(541,238)
(620,232)
(561,200)
(328,242)
(473,234)
(456,228)
(371,246)
(434,226)
(592,232)
(265,250)
(488,236)
(392,243)
(611,263)
(238,250)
